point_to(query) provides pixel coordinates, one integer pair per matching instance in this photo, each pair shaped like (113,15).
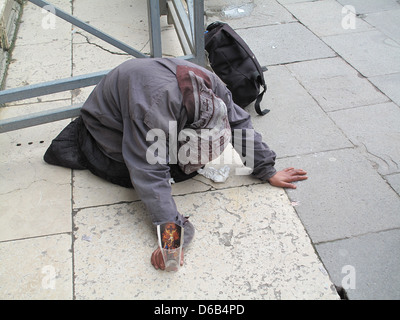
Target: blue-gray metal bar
(190,6)
(37,118)
(198,12)
(153,11)
(44,88)
(177,13)
(195,53)
(183,20)
(88,28)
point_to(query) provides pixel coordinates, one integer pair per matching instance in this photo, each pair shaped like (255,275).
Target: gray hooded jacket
(143,94)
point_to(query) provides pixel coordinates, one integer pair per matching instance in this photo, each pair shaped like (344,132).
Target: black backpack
(233,61)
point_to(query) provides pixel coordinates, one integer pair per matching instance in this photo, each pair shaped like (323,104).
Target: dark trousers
(75,148)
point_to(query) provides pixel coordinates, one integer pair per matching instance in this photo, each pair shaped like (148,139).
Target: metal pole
(153,9)
(190,6)
(44,88)
(37,118)
(199,32)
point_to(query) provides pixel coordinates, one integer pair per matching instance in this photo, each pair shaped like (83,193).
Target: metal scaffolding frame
(188,19)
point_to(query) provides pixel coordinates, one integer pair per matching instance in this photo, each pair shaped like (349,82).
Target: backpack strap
(258,101)
(260,79)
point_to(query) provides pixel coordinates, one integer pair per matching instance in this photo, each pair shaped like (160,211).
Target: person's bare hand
(157,259)
(284,177)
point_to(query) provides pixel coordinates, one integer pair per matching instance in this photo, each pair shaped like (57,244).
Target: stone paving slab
(36,268)
(249,244)
(263,13)
(389,84)
(335,85)
(291,1)
(368,6)
(367,263)
(372,54)
(35,198)
(290,42)
(381,147)
(296,123)
(325,18)
(394,181)
(129,25)
(41,41)
(387,22)
(343,196)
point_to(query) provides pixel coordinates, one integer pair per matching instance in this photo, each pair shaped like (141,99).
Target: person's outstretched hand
(157,259)
(284,177)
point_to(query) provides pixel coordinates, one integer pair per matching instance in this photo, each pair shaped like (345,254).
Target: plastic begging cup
(170,240)
(172,259)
